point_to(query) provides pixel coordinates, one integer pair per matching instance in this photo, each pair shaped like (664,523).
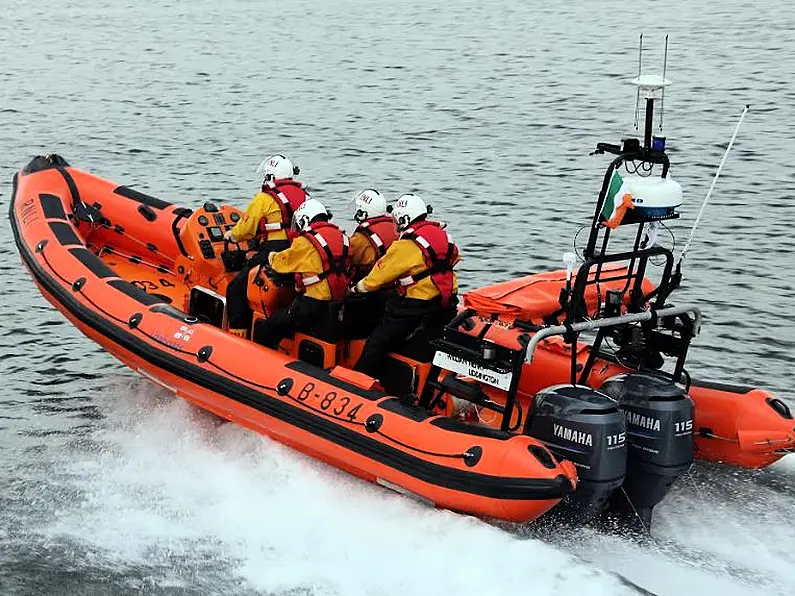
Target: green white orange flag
(617,201)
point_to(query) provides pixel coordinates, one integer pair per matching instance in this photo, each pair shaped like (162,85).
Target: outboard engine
(587,428)
(660,436)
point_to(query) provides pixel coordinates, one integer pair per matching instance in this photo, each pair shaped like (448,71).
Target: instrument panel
(203,233)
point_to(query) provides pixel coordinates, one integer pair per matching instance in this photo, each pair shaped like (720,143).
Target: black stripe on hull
(444,477)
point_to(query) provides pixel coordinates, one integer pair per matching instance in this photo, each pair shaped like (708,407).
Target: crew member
(421,262)
(267,219)
(375,233)
(319,257)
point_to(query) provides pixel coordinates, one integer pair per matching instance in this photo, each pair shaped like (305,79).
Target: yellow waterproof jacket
(261,206)
(363,254)
(303,258)
(403,258)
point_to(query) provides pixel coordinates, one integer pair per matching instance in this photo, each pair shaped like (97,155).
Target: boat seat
(314,351)
(308,348)
(328,329)
(401,375)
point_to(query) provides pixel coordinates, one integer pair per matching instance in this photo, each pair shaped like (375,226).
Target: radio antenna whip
(665,67)
(709,192)
(640,67)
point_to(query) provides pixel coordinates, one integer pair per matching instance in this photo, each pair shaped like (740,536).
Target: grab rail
(639,317)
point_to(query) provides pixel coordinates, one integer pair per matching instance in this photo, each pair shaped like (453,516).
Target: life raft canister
(439,252)
(381,232)
(333,247)
(289,195)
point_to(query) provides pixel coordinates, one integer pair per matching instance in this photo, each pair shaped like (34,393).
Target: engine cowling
(659,438)
(587,428)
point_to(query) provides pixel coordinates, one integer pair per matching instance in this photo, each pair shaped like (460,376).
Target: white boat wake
(175,487)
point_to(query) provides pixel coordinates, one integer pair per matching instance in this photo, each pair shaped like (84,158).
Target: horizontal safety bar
(637,317)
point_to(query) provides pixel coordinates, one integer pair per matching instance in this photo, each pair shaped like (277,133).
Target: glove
(228,236)
(358,288)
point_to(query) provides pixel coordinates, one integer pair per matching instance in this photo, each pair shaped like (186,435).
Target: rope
(712,186)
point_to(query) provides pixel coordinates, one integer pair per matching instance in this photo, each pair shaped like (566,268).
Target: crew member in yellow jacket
(421,262)
(319,259)
(374,234)
(267,219)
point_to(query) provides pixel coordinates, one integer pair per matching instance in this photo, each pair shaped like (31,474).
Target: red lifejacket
(289,195)
(440,254)
(333,247)
(381,232)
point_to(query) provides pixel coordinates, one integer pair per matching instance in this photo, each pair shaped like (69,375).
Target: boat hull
(323,413)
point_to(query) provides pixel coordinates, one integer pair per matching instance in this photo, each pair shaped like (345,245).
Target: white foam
(175,481)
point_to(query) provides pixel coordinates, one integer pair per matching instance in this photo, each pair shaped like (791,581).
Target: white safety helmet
(369,203)
(308,211)
(407,209)
(276,167)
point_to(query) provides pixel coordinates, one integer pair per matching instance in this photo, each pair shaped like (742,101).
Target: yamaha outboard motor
(587,428)
(660,439)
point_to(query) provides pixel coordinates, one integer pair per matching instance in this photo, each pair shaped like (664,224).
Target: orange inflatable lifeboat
(567,386)
(128,270)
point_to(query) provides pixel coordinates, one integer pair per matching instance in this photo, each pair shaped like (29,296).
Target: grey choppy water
(490,110)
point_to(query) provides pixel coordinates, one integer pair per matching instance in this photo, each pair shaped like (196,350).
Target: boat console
(208,262)
(202,235)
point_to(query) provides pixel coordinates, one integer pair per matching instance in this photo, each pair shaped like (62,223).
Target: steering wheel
(234,260)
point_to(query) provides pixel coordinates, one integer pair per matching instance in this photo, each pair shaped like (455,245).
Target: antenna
(712,187)
(662,99)
(652,87)
(640,67)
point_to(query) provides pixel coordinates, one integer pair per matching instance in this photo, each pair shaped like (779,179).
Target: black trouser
(237,311)
(302,315)
(403,315)
(364,312)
